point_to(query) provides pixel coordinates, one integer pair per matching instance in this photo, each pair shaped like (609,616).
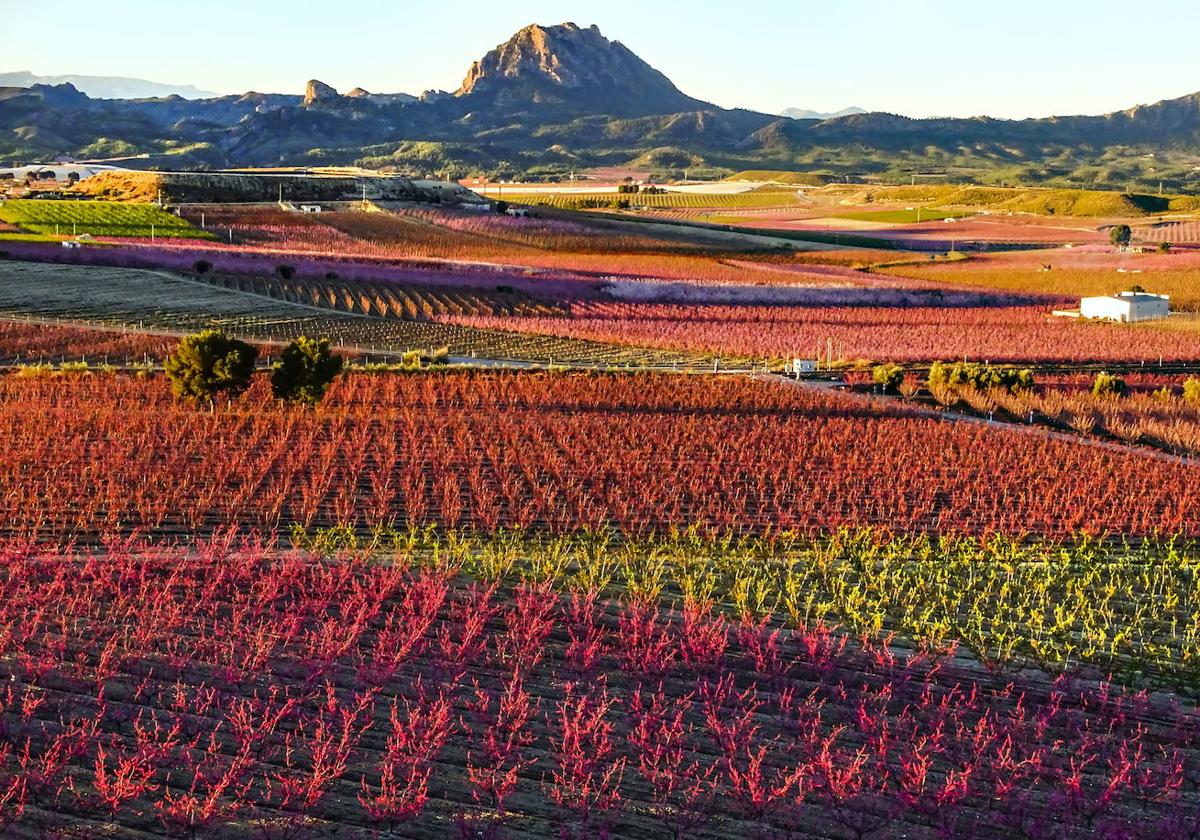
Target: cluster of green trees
(889,377)
(209,364)
(1111,385)
(634,189)
(982,377)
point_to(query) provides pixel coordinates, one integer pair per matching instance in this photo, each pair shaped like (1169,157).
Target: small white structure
(71,244)
(1126,307)
(801,366)
(310,208)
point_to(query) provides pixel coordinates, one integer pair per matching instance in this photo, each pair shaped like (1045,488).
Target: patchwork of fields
(165,303)
(615,601)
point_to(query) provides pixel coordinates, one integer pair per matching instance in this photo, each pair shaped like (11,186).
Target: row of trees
(635,189)
(211,363)
(891,377)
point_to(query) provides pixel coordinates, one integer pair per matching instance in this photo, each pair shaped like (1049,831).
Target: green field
(96,218)
(900,216)
(799,179)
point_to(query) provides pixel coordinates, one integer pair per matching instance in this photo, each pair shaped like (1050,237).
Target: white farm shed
(1126,307)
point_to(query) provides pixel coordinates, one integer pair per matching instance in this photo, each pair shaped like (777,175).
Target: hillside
(554,99)
(1043,202)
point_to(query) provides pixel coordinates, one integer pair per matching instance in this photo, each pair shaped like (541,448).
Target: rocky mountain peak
(572,65)
(316,91)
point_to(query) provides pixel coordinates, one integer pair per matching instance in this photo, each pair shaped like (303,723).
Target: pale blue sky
(917,57)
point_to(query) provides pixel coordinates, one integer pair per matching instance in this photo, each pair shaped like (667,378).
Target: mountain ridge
(554,99)
(106,87)
(806,114)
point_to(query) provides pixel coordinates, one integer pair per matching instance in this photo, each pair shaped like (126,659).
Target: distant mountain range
(805,114)
(106,87)
(555,99)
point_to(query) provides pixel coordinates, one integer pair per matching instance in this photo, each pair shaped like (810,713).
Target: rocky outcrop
(316,92)
(569,65)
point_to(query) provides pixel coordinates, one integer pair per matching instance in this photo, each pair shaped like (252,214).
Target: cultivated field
(31,343)
(162,302)
(899,332)
(902,216)
(360,697)
(560,453)
(766,197)
(95,218)
(1162,418)
(1070,274)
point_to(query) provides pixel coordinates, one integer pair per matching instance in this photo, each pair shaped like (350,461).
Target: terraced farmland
(157,301)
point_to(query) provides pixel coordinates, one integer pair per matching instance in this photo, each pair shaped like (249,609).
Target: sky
(915,57)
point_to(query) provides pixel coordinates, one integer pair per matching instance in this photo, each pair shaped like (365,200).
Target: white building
(1126,307)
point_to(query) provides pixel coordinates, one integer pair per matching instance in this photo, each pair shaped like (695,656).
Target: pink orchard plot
(939,235)
(236,691)
(901,334)
(1068,274)
(1174,233)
